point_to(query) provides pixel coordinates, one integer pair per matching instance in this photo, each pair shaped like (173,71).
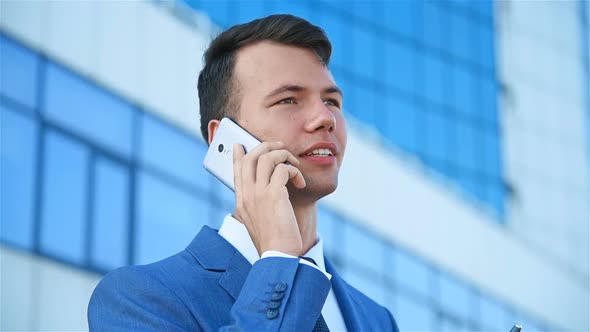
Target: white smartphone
(219,159)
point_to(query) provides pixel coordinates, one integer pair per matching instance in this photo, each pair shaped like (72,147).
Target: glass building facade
(89,178)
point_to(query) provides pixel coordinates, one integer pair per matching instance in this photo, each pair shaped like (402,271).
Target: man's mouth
(321,153)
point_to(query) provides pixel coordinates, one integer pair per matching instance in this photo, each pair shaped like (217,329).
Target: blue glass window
(434,24)
(18,73)
(437,128)
(370,285)
(440,167)
(347,85)
(18,160)
(110,222)
(484,7)
(88,110)
(347,6)
(327,231)
(487,104)
(399,67)
(65,182)
(217,215)
(486,45)
(402,16)
(401,124)
(167,219)
(364,249)
(421,140)
(365,9)
(481,188)
(412,315)
(350,51)
(365,43)
(462,41)
(248,11)
(435,79)
(301,9)
(464,93)
(465,145)
(363,105)
(381,113)
(332,25)
(412,273)
(455,298)
(226,195)
(172,151)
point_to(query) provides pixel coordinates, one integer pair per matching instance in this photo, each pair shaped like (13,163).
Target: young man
(264,269)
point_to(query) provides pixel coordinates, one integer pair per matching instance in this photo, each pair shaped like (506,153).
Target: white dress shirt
(237,235)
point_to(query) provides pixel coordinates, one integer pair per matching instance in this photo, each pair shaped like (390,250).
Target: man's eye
(287,101)
(332,102)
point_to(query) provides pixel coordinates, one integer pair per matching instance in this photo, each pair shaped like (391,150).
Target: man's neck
(306,216)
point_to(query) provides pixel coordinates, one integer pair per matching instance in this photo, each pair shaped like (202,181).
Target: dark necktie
(320,324)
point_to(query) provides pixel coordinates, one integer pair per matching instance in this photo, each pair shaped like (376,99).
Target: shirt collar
(237,235)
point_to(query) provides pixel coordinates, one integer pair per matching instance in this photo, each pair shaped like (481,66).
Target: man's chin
(312,191)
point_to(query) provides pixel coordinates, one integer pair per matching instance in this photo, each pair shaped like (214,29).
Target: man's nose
(321,118)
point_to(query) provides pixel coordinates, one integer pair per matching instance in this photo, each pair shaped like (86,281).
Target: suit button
(277,296)
(274,304)
(280,287)
(272,314)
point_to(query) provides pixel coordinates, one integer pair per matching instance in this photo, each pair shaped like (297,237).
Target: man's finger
(268,161)
(283,173)
(250,161)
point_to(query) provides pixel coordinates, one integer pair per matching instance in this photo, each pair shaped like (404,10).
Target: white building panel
(70,33)
(26,20)
(17,286)
(543,163)
(164,43)
(63,294)
(117,48)
(48,296)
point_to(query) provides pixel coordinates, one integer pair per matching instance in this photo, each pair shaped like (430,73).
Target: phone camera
(220,148)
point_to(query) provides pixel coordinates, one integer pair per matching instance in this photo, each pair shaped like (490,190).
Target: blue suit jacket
(210,286)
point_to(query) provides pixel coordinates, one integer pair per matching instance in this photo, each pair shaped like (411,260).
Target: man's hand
(262,199)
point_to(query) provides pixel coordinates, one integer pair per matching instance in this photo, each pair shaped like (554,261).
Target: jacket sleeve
(279,294)
(129,300)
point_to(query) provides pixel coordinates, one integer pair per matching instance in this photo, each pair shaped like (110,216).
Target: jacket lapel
(214,253)
(352,318)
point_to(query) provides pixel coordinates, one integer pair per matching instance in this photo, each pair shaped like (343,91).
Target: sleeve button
(277,296)
(274,304)
(272,314)
(280,287)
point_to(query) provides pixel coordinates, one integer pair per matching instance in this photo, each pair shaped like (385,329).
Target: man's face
(288,95)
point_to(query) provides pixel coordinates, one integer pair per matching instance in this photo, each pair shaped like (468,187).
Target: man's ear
(212,129)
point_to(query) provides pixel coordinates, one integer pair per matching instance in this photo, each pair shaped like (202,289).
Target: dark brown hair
(218,91)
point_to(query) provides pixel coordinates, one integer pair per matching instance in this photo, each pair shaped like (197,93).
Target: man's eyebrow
(284,88)
(334,89)
(298,88)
